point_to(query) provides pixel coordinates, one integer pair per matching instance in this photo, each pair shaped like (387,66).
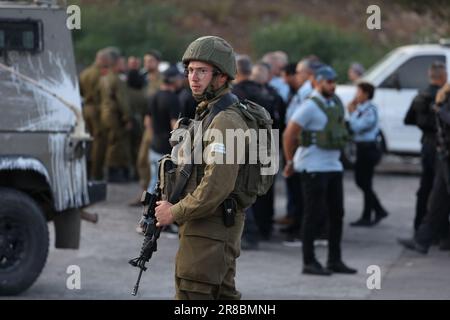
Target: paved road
(273,272)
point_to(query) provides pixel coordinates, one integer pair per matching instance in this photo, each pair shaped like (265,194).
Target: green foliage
(300,37)
(134,28)
(217,11)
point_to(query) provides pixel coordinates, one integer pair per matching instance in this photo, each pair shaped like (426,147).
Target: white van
(397,78)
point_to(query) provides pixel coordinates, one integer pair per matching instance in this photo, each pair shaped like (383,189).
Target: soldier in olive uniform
(152,76)
(153,82)
(138,106)
(116,121)
(206,259)
(90,90)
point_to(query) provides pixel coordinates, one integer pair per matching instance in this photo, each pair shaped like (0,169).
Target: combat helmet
(213,50)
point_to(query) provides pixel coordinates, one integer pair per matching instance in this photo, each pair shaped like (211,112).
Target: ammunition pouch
(229,212)
(167,177)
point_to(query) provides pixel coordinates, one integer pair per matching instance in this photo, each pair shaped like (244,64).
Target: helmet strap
(210,93)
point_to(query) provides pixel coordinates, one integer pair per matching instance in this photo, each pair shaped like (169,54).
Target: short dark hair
(290,69)
(367,88)
(244,65)
(155,54)
(437,69)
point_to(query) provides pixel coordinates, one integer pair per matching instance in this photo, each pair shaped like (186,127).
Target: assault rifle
(151,233)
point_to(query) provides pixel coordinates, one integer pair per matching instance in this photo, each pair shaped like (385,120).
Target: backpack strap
(223,103)
(186,171)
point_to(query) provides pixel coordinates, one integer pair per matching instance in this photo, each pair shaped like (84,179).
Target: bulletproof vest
(335,134)
(184,178)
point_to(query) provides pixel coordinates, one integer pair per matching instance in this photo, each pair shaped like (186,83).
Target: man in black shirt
(288,73)
(244,88)
(257,89)
(439,200)
(163,111)
(420,114)
(187,101)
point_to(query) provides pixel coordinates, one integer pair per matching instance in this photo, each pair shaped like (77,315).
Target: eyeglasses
(201,72)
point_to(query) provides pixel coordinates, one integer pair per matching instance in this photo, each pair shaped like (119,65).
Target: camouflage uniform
(114,114)
(90,90)
(138,105)
(206,259)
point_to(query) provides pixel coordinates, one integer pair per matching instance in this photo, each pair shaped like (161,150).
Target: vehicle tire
(23,241)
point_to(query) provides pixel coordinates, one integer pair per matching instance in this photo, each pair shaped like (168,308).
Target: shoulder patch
(218,148)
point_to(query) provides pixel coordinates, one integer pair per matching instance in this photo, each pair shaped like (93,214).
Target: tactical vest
(335,134)
(177,181)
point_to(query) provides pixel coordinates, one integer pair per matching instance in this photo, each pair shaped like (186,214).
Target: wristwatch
(289,162)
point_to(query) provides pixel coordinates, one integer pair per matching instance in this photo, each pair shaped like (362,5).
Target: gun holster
(229,212)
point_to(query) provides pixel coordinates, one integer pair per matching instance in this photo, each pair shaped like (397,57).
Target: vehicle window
(412,74)
(2,39)
(20,35)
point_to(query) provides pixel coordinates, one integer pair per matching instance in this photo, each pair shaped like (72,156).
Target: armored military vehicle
(42,141)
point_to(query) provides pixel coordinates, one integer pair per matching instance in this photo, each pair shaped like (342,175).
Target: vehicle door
(394,96)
